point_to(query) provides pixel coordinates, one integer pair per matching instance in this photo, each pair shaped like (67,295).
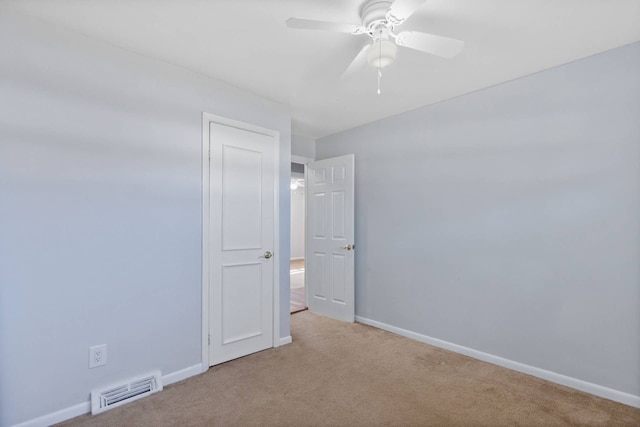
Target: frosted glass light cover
(381,53)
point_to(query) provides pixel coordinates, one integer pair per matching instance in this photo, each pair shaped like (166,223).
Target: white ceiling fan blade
(430,43)
(310,24)
(358,63)
(400,10)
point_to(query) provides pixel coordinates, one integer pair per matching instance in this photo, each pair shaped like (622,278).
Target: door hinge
(209,339)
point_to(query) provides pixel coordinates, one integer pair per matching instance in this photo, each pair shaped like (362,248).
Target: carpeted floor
(340,374)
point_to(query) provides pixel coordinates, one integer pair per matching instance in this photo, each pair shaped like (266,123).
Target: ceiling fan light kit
(379,19)
(381,53)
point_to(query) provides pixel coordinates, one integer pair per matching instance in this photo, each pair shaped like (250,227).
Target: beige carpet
(353,375)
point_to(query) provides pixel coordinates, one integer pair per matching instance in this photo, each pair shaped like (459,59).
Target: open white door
(329,257)
(241,232)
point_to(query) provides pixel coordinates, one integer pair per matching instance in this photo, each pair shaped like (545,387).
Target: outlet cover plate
(97,355)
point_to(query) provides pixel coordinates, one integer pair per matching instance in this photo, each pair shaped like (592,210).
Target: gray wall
(303,146)
(100,213)
(508,220)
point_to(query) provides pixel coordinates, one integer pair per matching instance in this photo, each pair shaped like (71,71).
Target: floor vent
(119,394)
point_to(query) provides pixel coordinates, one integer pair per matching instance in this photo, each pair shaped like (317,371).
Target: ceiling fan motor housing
(374,13)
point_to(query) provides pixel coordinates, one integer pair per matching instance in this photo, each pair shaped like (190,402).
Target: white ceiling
(246,43)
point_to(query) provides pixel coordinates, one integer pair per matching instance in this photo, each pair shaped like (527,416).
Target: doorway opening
(297,239)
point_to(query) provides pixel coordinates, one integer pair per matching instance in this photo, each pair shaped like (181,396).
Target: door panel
(319,221)
(241,293)
(330,237)
(317,271)
(241,182)
(339,282)
(339,221)
(241,203)
(338,172)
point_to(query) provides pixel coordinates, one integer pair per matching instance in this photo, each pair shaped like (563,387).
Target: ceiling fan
(379,21)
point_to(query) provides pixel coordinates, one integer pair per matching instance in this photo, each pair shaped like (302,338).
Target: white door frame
(206,244)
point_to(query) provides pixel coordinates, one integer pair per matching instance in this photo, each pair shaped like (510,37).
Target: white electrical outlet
(97,355)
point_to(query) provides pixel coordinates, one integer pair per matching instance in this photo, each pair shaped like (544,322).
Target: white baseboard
(297,259)
(286,340)
(182,374)
(598,390)
(85,407)
(58,416)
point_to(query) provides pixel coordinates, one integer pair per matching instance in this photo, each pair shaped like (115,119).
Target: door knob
(268,254)
(348,247)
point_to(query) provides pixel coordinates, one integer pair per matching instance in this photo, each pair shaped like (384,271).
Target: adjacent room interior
(298,302)
(464,246)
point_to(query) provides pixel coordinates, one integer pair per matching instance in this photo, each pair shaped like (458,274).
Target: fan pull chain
(379,64)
